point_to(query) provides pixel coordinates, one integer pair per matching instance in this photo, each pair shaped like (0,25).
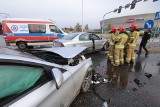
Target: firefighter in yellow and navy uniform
(119,46)
(111,44)
(132,40)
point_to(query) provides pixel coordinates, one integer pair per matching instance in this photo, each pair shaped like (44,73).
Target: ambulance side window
(36,28)
(54,28)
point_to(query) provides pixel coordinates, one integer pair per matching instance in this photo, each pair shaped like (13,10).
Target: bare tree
(109,27)
(86,28)
(78,27)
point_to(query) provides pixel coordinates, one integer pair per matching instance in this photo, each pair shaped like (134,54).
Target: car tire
(87,81)
(22,45)
(105,46)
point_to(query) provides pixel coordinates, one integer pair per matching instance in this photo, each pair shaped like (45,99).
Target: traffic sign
(149,24)
(157,16)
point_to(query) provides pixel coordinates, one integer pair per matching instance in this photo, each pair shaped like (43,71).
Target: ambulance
(30,32)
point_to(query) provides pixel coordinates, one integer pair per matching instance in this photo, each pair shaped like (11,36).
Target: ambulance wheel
(22,45)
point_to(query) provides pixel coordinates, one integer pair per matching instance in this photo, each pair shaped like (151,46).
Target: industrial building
(128,20)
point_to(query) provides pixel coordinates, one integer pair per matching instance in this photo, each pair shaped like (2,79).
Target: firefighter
(111,44)
(132,40)
(119,46)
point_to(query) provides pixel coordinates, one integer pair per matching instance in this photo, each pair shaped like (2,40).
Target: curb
(150,50)
(154,50)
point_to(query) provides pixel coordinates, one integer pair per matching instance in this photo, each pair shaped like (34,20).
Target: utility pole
(82,15)
(103,20)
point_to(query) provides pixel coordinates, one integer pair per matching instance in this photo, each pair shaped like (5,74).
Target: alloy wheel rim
(87,81)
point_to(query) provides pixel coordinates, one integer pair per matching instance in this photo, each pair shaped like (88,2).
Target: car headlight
(58,44)
(83,57)
(70,61)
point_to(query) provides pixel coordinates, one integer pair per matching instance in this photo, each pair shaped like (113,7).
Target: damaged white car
(83,39)
(50,77)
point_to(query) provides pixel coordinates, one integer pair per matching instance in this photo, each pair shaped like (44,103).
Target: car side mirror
(58,76)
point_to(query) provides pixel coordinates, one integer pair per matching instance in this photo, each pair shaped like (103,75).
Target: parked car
(83,39)
(52,79)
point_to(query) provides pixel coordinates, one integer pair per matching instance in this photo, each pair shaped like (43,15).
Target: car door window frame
(84,39)
(93,35)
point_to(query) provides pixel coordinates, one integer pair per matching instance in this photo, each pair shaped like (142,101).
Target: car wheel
(22,45)
(87,81)
(105,46)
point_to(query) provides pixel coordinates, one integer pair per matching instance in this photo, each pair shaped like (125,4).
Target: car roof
(26,19)
(79,33)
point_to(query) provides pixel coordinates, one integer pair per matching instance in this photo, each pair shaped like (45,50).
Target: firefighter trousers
(111,53)
(119,56)
(130,55)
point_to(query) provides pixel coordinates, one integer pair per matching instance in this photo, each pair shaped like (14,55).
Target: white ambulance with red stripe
(30,32)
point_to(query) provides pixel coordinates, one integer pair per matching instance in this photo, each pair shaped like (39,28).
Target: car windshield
(70,36)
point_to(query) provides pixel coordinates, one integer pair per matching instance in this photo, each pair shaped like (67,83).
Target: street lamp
(120,8)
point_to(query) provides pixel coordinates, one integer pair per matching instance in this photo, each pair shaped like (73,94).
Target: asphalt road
(128,86)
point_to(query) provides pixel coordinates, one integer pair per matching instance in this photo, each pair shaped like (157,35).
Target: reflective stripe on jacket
(133,39)
(112,39)
(121,39)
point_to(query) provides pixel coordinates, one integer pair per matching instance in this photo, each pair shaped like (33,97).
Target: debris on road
(148,75)
(137,81)
(96,76)
(97,79)
(134,89)
(105,104)
(158,64)
(95,82)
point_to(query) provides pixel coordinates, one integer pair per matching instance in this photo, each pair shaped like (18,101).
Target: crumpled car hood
(65,52)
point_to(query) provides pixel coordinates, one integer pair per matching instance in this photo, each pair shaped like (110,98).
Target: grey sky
(67,13)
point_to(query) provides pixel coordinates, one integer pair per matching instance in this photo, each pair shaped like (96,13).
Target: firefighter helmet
(114,29)
(134,27)
(122,29)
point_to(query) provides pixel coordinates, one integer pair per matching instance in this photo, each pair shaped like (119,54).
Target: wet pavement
(137,85)
(2,41)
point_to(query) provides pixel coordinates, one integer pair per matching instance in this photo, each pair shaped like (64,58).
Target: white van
(30,32)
